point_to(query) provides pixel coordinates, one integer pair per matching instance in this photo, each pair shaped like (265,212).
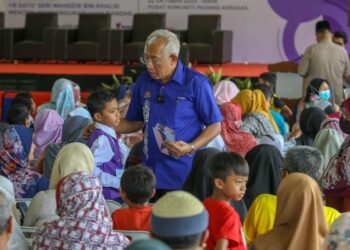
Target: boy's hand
(87,130)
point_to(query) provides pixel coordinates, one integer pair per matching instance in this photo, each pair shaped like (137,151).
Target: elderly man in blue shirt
(176,101)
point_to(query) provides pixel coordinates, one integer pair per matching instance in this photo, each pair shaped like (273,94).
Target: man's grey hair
(172,46)
(306,160)
(5,212)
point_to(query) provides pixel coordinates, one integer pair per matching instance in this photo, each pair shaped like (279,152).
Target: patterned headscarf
(48,129)
(14,163)
(339,234)
(333,123)
(235,140)
(62,98)
(328,141)
(85,221)
(255,101)
(337,173)
(225,91)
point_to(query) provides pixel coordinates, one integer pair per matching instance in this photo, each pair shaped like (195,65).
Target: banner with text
(264,31)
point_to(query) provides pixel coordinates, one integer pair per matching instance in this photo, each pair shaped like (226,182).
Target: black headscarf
(310,123)
(71,132)
(264,162)
(199,182)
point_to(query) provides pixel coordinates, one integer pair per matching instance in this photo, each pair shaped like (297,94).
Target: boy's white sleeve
(102,150)
(107,180)
(124,151)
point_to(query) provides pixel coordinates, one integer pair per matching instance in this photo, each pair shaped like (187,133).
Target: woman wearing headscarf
(74,157)
(48,129)
(17,239)
(77,95)
(225,91)
(257,118)
(71,132)
(235,139)
(310,124)
(15,166)
(265,162)
(317,95)
(84,223)
(199,181)
(333,123)
(336,178)
(62,98)
(328,141)
(262,213)
(300,221)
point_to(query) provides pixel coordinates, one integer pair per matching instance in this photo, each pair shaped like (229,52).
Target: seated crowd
(259,184)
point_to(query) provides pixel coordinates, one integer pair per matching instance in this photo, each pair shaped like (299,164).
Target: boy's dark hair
(269,77)
(21,100)
(224,163)
(342,35)
(323,26)
(265,89)
(138,183)
(17,114)
(96,102)
(181,242)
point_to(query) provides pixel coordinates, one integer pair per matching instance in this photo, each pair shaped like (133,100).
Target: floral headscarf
(14,164)
(235,140)
(85,221)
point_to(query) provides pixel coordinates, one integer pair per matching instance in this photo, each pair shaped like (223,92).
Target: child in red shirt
(230,175)
(137,186)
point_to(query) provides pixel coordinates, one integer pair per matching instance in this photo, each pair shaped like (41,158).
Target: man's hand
(178,148)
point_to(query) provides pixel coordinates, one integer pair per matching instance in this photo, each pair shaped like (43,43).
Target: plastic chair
(28,233)
(113,205)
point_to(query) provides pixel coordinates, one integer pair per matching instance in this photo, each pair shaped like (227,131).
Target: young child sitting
(103,141)
(230,176)
(137,186)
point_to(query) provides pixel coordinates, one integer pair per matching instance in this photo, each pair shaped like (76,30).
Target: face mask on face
(344,125)
(325,95)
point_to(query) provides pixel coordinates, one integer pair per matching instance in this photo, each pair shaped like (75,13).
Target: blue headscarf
(62,98)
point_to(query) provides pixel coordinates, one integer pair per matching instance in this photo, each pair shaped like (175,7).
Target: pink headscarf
(48,129)
(225,91)
(85,221)
(235,140)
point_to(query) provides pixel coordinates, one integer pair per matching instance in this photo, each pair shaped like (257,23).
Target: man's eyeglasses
(153,60)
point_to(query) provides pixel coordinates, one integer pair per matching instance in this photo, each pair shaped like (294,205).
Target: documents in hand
(162,133)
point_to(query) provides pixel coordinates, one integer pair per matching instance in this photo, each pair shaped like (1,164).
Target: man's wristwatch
(193,149)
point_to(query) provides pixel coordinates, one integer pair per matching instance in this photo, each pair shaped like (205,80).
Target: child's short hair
(269,77)
(17,114)
(138,183)
(224,163)
(96,102)
(267,91)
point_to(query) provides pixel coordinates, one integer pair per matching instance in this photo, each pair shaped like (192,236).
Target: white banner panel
(264,31)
